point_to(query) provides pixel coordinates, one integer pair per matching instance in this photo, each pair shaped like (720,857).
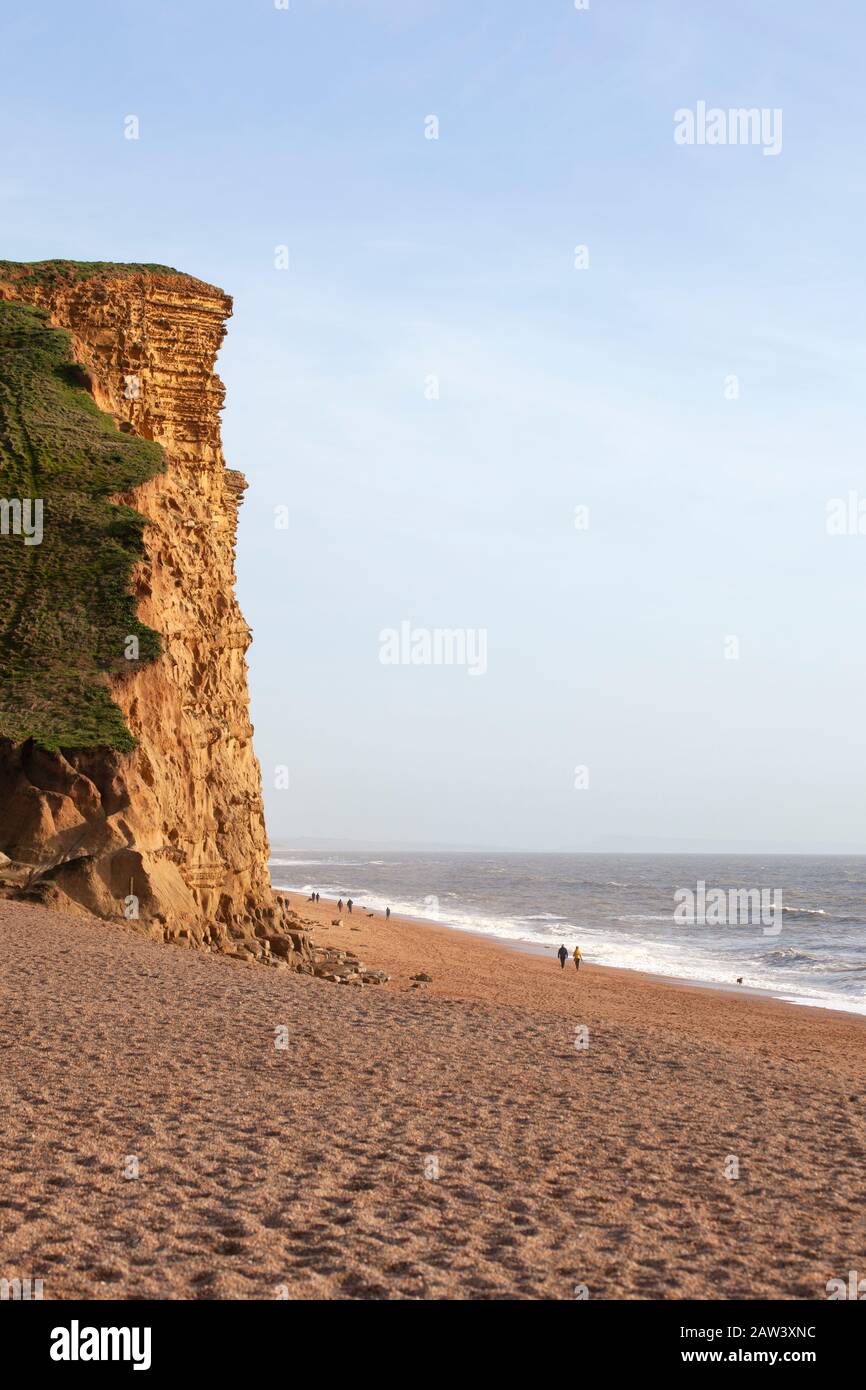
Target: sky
(607,470)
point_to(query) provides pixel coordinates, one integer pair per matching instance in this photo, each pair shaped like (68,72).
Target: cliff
(128,781)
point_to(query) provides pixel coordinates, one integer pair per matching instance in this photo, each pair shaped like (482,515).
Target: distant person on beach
(563,957)
(577,957)
(340,906)
(317,897)
(387,913)
(349,904)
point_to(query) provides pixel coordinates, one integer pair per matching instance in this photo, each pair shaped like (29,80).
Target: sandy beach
(445,1141)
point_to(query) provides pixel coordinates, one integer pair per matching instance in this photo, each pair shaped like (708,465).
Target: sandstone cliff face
(177,824)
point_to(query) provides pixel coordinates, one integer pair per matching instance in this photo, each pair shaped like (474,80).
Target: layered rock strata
(171,835)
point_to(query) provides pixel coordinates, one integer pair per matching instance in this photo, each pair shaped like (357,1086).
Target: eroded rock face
(178,824)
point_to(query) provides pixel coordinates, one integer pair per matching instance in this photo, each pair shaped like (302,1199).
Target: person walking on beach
(349,904)
(577,957)
(340,905)
(563,957)
(387,913)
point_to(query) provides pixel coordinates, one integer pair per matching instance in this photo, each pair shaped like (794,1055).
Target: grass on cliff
(73,272)
(66,610)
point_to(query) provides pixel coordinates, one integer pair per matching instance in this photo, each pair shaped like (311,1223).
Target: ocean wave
(328,863)
(511,928)
(807,911)
(645,917)
(789,955)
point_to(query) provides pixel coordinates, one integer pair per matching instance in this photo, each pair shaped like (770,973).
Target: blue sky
(558,388)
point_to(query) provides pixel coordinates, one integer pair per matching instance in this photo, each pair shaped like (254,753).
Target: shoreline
(536,949)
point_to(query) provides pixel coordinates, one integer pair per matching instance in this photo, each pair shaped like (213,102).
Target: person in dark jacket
(563,957)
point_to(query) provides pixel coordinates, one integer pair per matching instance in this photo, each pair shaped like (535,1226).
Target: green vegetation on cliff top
(66,609)
(72,272)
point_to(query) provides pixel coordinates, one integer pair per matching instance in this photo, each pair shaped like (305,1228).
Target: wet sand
(448,1141)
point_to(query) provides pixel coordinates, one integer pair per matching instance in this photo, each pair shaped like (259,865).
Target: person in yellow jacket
(577,957)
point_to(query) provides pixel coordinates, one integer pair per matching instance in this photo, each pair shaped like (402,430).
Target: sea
(622,910)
